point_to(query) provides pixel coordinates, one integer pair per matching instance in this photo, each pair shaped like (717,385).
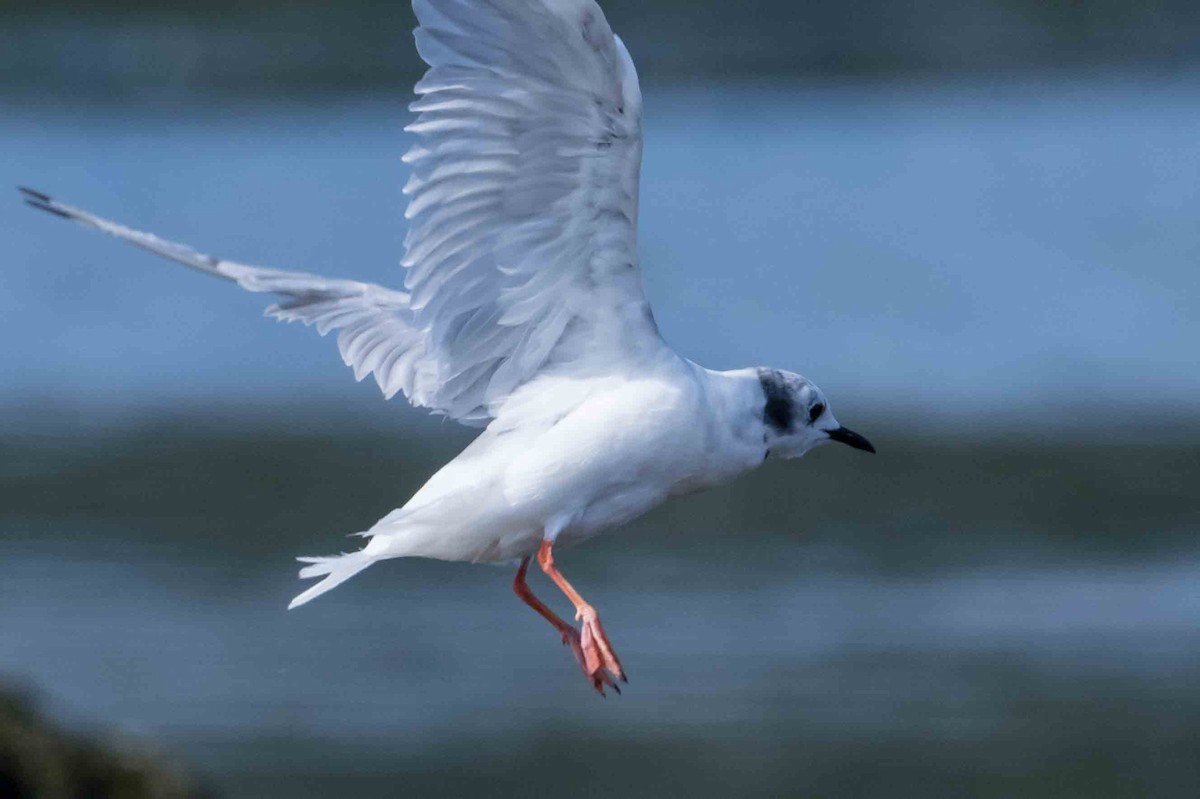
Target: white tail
(337,569)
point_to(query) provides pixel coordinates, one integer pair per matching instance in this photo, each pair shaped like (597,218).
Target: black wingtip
(44,206)
(37,195)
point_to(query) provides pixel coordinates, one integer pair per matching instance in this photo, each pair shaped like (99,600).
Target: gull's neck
(736,403)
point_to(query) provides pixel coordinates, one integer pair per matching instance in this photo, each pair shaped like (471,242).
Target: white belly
(619,453)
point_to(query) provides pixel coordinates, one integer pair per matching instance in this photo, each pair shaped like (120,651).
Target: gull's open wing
(522,247)
(376,331)
(522,250)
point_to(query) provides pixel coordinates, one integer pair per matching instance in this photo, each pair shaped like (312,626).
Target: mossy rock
(40,760)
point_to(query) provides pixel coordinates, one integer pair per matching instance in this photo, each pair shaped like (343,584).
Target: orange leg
(599,661)
(569,636)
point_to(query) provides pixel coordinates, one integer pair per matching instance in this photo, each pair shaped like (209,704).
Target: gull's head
(797,417)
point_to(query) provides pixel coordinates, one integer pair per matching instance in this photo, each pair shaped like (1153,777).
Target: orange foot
(590,645)
(595,653)
(592,650)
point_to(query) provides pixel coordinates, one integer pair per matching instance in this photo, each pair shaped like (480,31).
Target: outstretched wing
(377,334)
(522,250)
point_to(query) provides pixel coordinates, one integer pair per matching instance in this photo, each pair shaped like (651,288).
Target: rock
(41,760)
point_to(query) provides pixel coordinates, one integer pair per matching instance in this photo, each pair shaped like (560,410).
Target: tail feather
(336,569)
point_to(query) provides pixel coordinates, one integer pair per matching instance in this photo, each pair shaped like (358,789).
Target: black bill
(844,435)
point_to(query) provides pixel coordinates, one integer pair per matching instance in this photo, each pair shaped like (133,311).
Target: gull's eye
(815,412)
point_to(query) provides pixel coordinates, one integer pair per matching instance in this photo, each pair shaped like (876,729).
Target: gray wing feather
(522,246)
(377,334)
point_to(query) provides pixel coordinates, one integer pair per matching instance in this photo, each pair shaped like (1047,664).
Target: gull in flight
(523,313)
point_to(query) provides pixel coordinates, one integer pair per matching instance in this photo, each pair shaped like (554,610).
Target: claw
(600,679)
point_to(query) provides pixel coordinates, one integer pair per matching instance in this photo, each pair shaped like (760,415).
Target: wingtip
(44,205)
(36,195)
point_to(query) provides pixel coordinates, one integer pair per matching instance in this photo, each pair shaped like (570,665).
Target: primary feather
(523,197)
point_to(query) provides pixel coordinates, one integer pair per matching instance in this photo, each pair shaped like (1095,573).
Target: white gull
(523,312)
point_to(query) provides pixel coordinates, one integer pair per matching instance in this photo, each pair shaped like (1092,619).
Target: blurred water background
(973,224)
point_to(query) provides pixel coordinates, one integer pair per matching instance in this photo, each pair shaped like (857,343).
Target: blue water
(1011,250)
(423,668)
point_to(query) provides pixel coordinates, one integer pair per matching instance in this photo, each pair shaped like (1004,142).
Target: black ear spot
(779,411)
(815,412)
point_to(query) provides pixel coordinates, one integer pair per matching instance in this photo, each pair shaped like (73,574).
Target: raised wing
(522,250)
